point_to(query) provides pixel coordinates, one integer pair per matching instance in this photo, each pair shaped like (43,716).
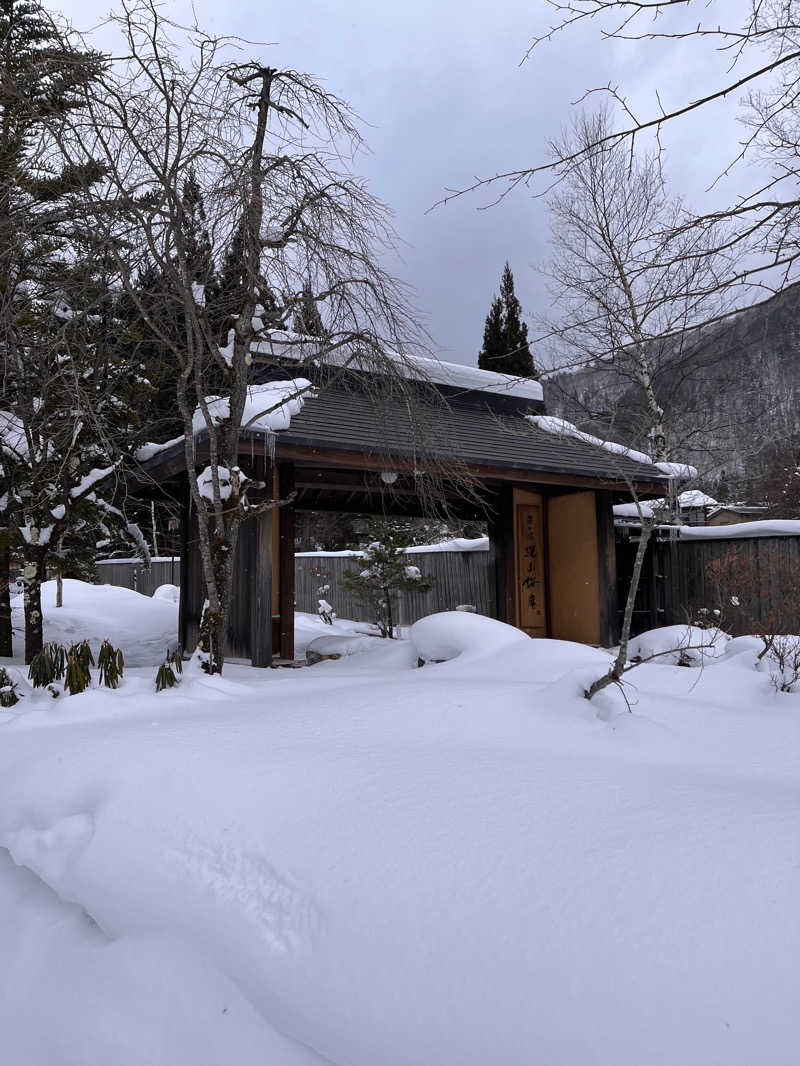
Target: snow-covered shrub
(324,609)
(385,571)
(784,662)
(111,664)
(78,674)
(8,689)
(48,665)
(166,676)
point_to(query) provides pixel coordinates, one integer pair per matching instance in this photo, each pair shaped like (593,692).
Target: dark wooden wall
(675,577)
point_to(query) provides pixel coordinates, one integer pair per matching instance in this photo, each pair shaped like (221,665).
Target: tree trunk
(32,597)
(614,675)
(59,589)
(5,595)
(214,623)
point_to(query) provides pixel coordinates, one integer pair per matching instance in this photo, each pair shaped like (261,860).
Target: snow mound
(170,593)
(684,645)
(339,645)
(454,634)
(143,626)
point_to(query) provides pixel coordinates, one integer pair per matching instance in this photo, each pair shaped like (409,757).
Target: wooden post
(607,563)
(286,562)
(192,587)
(261,594)
(501,546)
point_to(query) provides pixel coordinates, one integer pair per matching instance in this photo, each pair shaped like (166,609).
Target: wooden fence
(677,580)
(459,578)
(133,574)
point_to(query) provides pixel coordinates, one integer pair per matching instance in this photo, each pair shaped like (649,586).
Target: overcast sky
(441,88)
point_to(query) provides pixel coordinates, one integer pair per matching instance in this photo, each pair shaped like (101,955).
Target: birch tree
(626,281)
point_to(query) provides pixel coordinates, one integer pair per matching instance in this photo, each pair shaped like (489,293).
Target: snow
(268,408)
(205,482)
(12,436)
(457,544)
(631,510)
(696,498)
(453,634)
(282,344)
(682,644)
(688,499)
(561,428)
(368,864)
(36,534)
(149,451)
(764,528)
(90,480)
(144,627)
(170,593)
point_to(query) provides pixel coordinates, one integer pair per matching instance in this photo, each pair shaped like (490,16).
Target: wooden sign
(530,571)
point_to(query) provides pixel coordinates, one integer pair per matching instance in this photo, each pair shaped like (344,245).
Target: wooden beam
(330,457)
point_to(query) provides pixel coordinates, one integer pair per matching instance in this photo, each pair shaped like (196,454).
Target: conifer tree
(61,407)
(493,350)
(505,337)
(233,287)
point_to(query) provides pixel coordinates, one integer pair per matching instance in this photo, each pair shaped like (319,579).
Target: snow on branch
(90,480)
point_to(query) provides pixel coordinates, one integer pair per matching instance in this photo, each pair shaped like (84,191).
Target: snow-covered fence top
(741,530)
(458,544)
(460,569)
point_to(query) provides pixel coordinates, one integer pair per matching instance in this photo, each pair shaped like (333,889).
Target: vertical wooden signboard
(530,564)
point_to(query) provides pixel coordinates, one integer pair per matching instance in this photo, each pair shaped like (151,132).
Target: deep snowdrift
(143,626)
(466,863)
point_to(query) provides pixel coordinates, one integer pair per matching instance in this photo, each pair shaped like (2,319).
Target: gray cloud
(445,98)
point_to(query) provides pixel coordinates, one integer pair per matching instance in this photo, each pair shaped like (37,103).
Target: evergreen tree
(232,291)
(62,408)
(493,350)
(505,337)
(385,569)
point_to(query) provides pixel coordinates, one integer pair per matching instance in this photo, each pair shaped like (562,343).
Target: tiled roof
(469,431)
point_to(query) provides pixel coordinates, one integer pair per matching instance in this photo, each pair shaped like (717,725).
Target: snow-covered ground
(370,864)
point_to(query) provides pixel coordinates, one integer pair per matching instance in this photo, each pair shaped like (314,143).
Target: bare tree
(625,286)
(763,71)
(268,150)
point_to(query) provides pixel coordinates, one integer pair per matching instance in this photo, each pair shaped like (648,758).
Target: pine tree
(43,79)
(385,569)
(232,291)
(493,349)
(505,337)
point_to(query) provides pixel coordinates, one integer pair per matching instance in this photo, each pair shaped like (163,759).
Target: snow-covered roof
(269,408)
(686,500)
(285,345)
(559,427)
